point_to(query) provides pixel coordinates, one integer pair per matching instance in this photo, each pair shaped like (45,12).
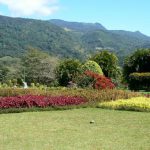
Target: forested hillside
(96,37)
(17,34)
(65,39)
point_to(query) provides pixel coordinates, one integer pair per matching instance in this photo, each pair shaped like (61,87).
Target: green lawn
(71,130)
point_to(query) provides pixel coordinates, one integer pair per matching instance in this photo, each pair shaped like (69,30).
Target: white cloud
(31,7)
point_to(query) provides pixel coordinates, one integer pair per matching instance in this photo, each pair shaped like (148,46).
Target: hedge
(139,81)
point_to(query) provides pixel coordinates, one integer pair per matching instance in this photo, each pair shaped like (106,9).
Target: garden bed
(133,104)
(20,100)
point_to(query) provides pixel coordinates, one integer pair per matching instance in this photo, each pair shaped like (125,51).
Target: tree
(86,81)
(10,68)
(108,62)
(38,66)
(67,70)
(3,73)
(137,62)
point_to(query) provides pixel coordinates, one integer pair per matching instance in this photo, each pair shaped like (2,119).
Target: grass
(71,130)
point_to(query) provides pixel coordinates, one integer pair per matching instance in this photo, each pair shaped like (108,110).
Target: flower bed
(135,104)
(28,101)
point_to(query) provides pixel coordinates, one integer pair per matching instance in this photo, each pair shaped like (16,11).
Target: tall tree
(67,70)
(38,66)
(137,62)
(108,62)
(12,68)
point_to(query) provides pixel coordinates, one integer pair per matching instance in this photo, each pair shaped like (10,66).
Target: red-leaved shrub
(39,101)
(100,81)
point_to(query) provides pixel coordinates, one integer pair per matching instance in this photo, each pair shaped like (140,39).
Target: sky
(130,15)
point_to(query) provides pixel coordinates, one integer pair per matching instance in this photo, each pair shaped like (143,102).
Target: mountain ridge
(82,40)
(78,26)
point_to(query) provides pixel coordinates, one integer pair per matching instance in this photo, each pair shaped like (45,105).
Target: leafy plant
(91,66)
(67,70)
(135,104)
(100,81)
(38,67)
(28,101)
(86,81)
(108,62)
(139,81)
(137,62)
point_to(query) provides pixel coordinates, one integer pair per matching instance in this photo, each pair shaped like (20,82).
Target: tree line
(39,67)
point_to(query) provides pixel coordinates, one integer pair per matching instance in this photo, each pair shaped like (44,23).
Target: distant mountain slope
(17,34)
(68,39)
(96,37)
(78,26)
(117,41)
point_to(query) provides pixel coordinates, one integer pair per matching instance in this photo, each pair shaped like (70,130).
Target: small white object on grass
(92,121)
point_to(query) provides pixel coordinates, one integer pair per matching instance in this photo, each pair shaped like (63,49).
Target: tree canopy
(108,62)
(38,67)
(137,62)
(67,70)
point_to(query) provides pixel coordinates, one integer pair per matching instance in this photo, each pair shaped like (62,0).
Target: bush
(28,101)
(139,81)
(135,104)
(109,63)
(137,62)
(66,71)
(82,79)
(100,81)
(92,66)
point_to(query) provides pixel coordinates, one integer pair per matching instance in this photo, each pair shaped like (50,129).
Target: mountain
(65,39)
(95,37)
(124,42)
(77,26)
(17,34)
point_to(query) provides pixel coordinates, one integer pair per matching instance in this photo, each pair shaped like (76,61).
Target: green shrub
(135,104)
(92,66)
(139,61)
(67,70)
(109,63)
(82,79)
(139,81)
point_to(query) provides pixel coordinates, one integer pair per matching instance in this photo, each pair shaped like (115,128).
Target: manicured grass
(71,130)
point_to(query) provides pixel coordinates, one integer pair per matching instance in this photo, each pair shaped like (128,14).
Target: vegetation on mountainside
(17,34)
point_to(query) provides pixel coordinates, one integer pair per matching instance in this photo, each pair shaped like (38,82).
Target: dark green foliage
(17,34)
(108,62)
(67,70)
(139,81)
(38,67)
(120,42)
(10,68)
(3,73)
(137,62)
